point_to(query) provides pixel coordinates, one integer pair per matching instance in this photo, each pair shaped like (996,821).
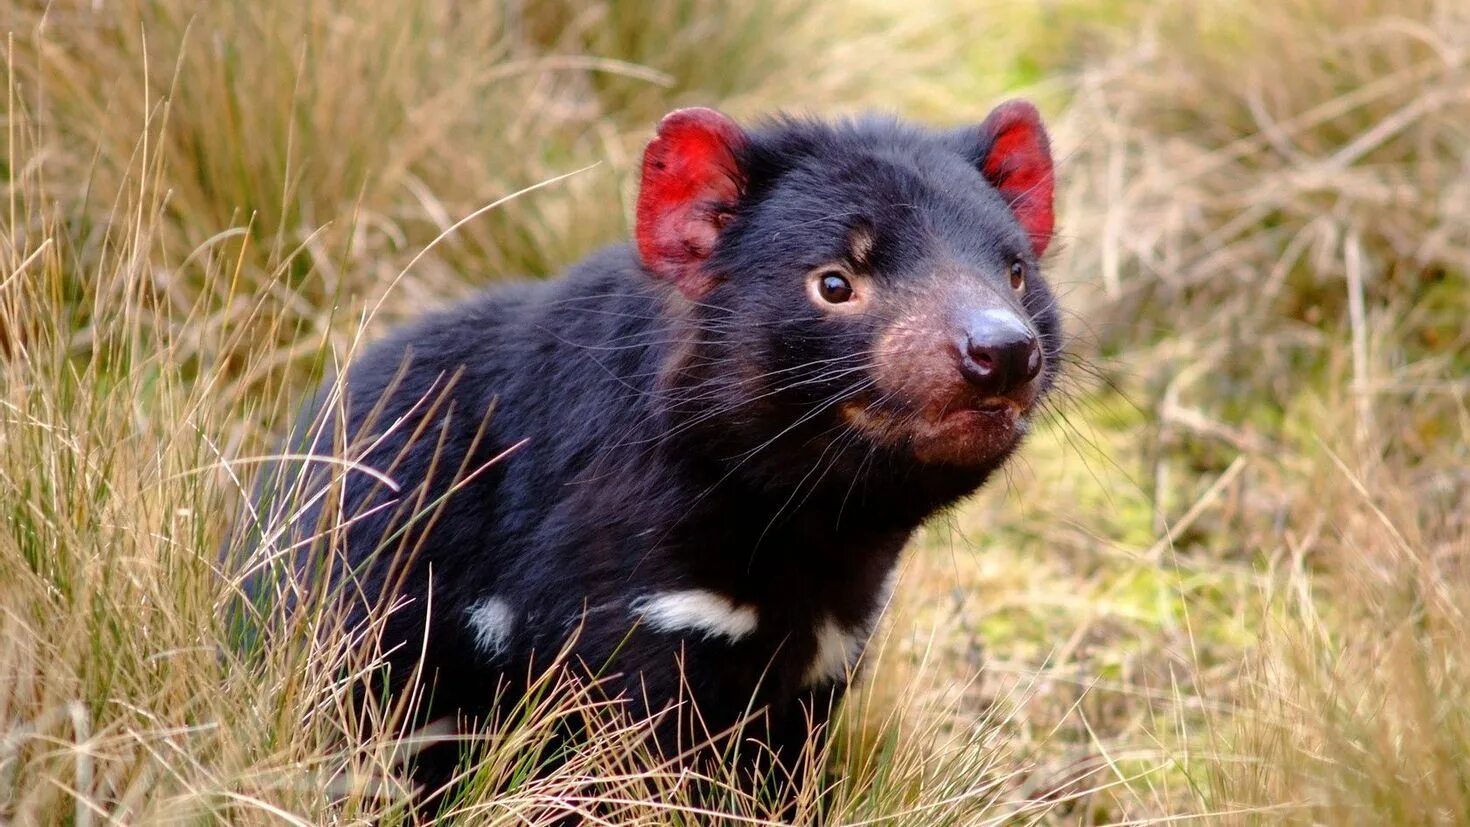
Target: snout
(956,385)
(999,353)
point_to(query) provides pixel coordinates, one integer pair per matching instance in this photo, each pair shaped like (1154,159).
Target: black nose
(999,352)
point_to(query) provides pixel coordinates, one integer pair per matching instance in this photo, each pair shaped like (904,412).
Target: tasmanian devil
(689,464)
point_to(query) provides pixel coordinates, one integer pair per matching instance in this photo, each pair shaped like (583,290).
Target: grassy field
(1227,580)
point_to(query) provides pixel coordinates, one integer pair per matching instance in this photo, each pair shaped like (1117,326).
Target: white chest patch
(838,650)
(885,595)
(696,610)
(491,620)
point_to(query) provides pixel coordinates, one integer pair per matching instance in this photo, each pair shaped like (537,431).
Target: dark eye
(834,288)
(1018,275)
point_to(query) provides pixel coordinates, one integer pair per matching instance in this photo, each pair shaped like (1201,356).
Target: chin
(965,438)
(970,438)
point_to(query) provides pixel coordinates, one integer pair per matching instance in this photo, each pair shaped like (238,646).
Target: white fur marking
(837,654)
(491,620)
(696,610)
(885,595)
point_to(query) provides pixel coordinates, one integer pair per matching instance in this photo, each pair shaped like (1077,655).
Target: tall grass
(205,207)
(322,146)
(1271,213)
(1357,708)
(1226,580)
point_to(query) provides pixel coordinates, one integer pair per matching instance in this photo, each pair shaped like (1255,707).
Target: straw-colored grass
(1226,581)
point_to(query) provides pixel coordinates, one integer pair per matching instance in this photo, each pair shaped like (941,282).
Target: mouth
(995,406)
(971,435)
(978,433)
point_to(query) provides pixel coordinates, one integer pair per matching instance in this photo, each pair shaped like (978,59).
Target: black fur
(649,443)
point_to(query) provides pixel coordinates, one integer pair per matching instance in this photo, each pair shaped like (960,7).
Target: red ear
(1018,164)
(691,181)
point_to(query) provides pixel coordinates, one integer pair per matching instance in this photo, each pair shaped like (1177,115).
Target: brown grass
(1225,581)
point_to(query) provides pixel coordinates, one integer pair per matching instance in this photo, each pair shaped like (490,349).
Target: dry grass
(1228,581)
(1269,223)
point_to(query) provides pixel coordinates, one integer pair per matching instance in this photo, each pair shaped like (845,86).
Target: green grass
(1225,579)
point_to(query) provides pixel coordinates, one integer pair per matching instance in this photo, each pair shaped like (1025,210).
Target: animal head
(865,283)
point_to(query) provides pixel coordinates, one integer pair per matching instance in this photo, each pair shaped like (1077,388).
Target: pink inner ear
(1019,167)
(690,177)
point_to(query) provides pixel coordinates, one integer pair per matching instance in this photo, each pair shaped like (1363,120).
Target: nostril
(981,356)
(1033,360)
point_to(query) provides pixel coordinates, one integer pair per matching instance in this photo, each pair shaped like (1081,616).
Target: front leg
(761,741)
(799,732)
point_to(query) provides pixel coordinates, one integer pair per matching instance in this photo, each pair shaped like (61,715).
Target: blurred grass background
(1226,582)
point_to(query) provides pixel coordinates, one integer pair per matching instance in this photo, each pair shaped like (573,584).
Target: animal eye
(1018,276)
(834,288)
